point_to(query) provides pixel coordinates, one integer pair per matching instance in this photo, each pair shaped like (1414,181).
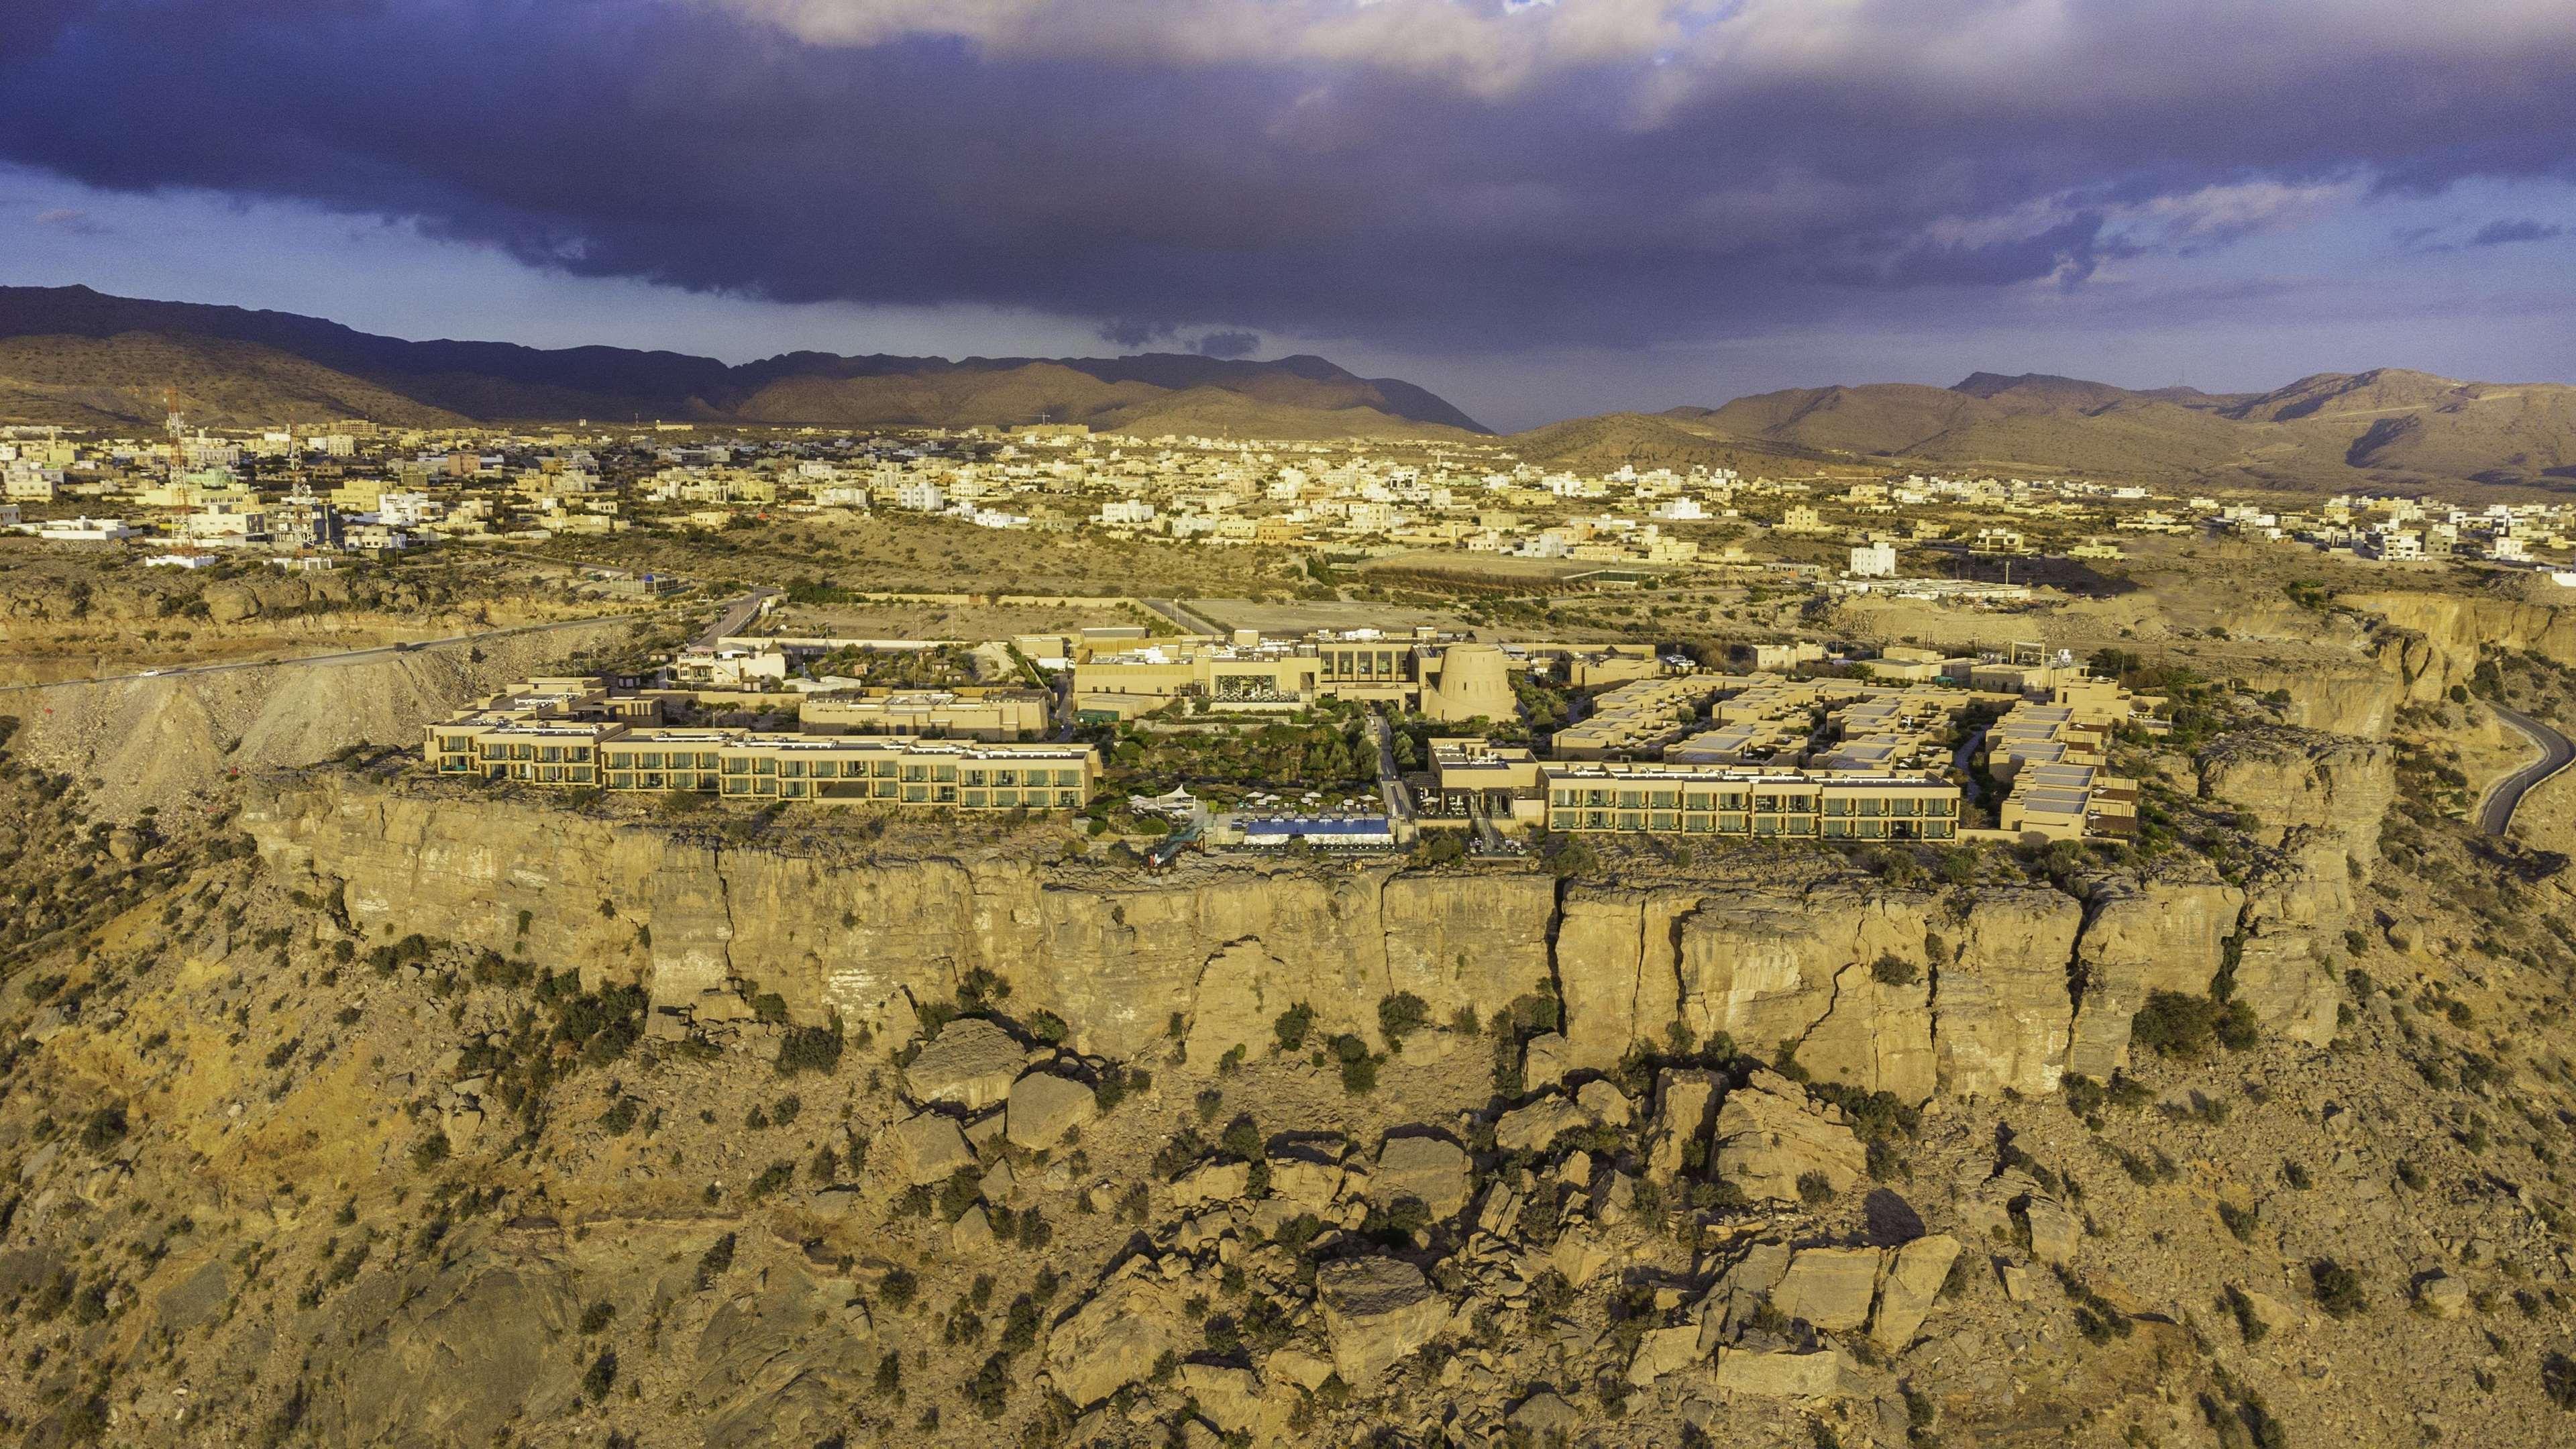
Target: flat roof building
(1002,713)
(577,733)
(2054,760)
(1448,681)
(1660,798)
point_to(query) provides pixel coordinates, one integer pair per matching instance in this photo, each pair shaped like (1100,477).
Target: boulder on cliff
(1530,1128)
(1824,1374)
(1436,1173)
(971,1062)
(1376,1312)
(1043,1107)
(1684,1099)
(1770,1135)
(1913,1281)
(1829,1287)
(928,1147)
(1115,1337)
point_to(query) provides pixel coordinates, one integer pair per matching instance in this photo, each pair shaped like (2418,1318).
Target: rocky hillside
(2388,427)
(76,615)
(418,1119)
(74,356)
(128,378)
(342,1106)
(179,740)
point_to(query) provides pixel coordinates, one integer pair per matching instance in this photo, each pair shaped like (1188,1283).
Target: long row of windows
(1808,826)
(771,786)
(895,792)
(661,780)
(659,759)
(543,754)
(1770,802)
(908,772)
(543,774)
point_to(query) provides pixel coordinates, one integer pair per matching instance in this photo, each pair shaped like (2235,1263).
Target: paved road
(736,617)
(345,657)
(1190,620)
(1390,783)
(2495,812)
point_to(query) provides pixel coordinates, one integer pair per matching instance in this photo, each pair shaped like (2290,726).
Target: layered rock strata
(1910,990)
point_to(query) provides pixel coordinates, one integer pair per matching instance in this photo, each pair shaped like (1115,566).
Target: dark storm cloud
(1128,334)
(2499,233)
(1227,345)
(1418,174)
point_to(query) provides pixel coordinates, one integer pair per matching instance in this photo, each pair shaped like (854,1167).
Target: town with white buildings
(311,494)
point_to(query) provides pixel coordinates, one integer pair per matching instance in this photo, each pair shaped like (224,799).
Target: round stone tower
(1475,680)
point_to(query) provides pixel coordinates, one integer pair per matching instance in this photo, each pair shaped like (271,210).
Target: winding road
(2495,812)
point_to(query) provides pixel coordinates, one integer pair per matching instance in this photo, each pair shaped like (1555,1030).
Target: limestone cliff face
(2431,641)
(2353,699)
(1907,990)
(2140,938)
(2318,800)
(2006,1017)
(1885,988)
(1626,982)
(867,939)
(1804,969)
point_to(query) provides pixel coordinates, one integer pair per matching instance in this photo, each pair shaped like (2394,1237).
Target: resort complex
(1657,746)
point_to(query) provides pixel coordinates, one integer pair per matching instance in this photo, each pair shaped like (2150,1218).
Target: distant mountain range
(2387,426)
(78,357)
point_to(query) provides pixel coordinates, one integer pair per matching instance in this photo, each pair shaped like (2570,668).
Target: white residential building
(87,530)
(2393,545)
(405,509)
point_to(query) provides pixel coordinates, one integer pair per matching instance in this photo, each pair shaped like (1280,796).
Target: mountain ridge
(2378,427)
(507,381)
(77,356)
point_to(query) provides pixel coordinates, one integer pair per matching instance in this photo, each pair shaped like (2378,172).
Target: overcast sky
(1537,209)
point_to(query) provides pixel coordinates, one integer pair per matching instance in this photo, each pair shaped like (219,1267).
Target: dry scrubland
(78,611)
(187,740)
(340,1106)
(869,553)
